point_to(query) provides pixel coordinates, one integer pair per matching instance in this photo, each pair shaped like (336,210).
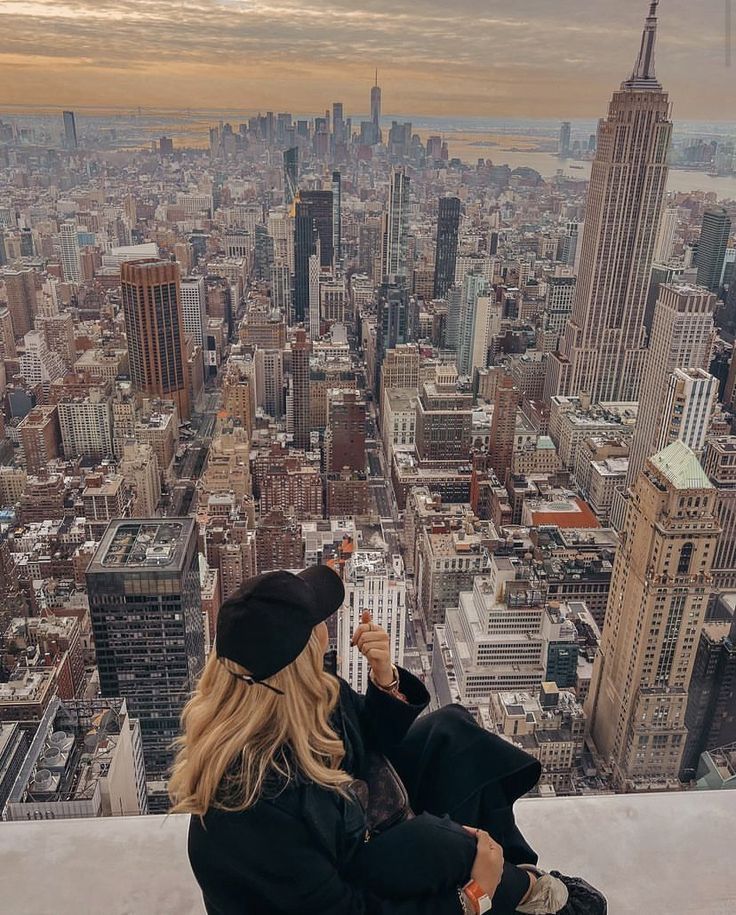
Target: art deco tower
(660,587)
(603,348)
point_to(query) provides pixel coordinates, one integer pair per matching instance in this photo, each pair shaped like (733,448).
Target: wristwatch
(475,899)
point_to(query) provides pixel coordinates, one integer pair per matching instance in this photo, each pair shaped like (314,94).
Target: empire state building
(603,348)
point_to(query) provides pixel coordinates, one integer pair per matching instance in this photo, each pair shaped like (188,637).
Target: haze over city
(532,58)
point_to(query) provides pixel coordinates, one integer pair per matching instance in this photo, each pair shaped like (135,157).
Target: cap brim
(328,589)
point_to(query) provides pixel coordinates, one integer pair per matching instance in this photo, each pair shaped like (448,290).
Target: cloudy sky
(526,58)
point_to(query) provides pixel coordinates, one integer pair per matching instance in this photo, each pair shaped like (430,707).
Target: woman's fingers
(364,627)
(377,655)
(372,638)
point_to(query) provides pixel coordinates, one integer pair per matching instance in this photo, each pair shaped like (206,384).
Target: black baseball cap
(267,623)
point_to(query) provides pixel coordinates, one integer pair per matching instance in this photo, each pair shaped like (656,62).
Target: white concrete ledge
(663,854)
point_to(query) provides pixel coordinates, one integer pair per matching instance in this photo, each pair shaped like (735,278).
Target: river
(547,164)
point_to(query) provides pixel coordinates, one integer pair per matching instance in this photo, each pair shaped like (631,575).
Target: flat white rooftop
(657,854)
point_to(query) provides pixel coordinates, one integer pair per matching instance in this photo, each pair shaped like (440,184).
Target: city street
(195,458)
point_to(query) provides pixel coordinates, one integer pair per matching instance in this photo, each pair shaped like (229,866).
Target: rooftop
(149,544)
(672,856)
(680,466)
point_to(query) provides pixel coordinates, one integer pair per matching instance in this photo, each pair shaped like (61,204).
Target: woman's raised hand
(373,642)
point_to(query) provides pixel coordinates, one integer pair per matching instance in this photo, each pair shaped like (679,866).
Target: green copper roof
(679,464)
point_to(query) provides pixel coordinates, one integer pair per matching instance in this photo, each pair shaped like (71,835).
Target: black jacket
(303,851)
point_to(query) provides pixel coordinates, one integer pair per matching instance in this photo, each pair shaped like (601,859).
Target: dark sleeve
(384,719)
(291,873)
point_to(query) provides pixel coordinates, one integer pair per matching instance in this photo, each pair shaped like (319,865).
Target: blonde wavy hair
(228,721)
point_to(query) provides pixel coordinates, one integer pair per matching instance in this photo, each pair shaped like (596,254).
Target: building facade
(659,594)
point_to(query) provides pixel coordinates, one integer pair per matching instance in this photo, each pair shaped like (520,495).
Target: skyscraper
(70,252)
(154,325)
(318,204)
(305,245)
(20,289)
(194,301)
(570,245)
(659,593)
(395,250)
(395,317)
(689,401)
(345,432)
(300,393)
(712,247)
(144,600)
(445,258)
(666,237)
(719,462)
(338,126)
(314,302)
(682,333)
(373,581)
(503,426)
(558,307)
(291,174)
(337,217)
(603,349)
(70,130)
(710,718)
(565,134)
(376,111)
(475,314)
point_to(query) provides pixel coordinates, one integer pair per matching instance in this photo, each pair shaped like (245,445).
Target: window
(686,554)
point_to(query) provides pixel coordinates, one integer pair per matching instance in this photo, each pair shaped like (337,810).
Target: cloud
(471,57)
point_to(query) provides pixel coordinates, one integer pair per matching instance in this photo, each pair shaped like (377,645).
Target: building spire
(644,76)
(376,82)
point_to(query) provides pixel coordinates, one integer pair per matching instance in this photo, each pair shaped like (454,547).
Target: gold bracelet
(393,685)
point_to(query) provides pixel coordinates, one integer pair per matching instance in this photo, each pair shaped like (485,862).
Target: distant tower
(603,348)
(376,111)
(70,252)
(475,314)
(194,302)
(338,125)
(682,335)
(20,289)
(503,426)
(312,224)
(314,303)
(154,325)
(712,247)
(300,395)
(659,593)
(337,217)
(396,227)
(70,130)
(305,245)
(565,135)
(319,204)
(291,174)
(445,259)
(666,238)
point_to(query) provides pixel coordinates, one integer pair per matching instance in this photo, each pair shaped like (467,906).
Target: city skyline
(482,61)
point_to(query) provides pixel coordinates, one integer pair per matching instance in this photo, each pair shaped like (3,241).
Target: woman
(270,762)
